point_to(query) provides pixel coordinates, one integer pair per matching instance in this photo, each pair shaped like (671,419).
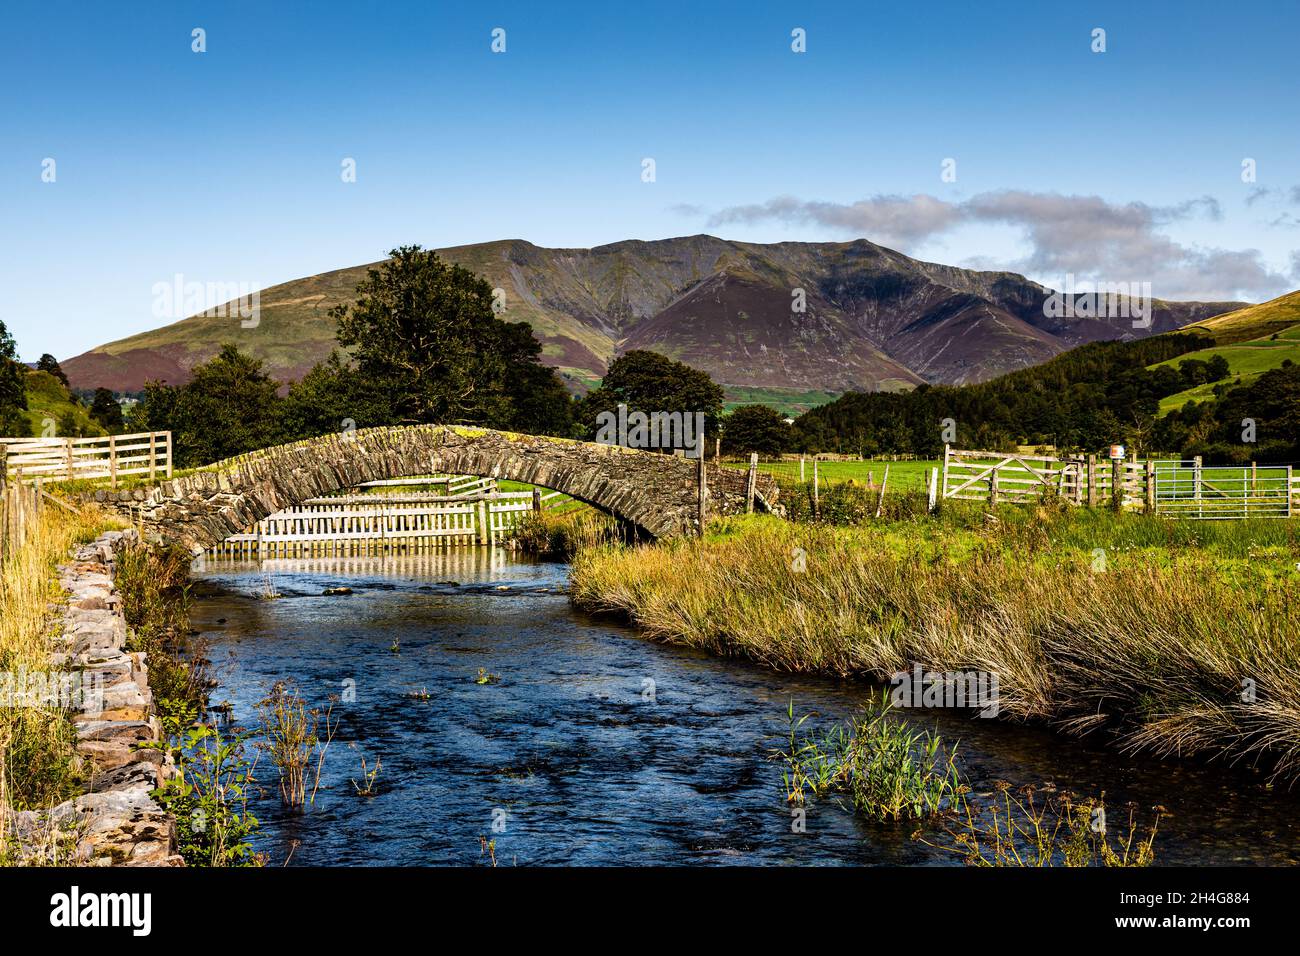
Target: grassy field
(1141,630)
(903,475)
(1252,341)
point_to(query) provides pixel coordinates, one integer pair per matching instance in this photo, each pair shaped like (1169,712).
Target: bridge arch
(654,492)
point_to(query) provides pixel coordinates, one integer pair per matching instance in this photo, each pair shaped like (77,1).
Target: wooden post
(482,522)
(169,454)
(1117,483)
(69,456)
(801,477)
(1196,484)
(751,486)
(717,447)
(1252,478)
(993,486)
(947,452)
(702,501)
(1290,508)
(884,482)
(1151,487)
(817,504)
(934,488)
(537,499)
(1092,481)
(112,458)
(153,454)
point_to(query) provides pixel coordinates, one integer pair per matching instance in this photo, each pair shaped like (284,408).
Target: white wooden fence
(474,513)
(111,457)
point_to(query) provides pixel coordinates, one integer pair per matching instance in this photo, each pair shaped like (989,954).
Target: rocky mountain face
(871,318)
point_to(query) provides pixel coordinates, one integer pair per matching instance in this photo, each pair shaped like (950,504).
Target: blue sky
(224,166)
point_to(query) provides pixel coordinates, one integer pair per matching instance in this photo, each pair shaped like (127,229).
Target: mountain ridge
(874,318)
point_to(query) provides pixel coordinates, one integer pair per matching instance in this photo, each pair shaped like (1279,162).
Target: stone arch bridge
(656,493)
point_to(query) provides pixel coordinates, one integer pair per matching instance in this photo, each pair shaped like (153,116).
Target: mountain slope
(1252,341)
(874,318)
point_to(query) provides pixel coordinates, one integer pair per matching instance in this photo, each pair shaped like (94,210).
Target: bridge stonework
(657,493)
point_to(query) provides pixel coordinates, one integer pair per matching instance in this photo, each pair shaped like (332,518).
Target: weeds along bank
(1174,637)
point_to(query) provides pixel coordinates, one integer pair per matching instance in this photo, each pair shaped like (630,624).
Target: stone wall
(115,822)
(657,493)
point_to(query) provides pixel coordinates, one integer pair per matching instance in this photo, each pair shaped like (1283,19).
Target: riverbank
(1167,637)
(77,772)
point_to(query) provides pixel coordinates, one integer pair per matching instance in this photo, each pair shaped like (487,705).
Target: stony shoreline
(116,822)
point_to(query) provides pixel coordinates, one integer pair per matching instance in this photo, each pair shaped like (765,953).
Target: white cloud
(1084,235)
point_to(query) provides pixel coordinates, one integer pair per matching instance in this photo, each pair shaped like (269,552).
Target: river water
(594,746)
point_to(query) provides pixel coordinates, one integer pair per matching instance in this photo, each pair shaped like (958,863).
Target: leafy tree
(539,402)
(755,428)
(104,408)
(48,363)
(229,407)
(649,382)
(333,398)
(13,389)
(423,331)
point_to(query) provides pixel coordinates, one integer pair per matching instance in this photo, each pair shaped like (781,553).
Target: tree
(333,398)
(13,389)
(539,402)
(649,382)
(425,333)
(755,428)
(48,363)
(104,408)
(229,407)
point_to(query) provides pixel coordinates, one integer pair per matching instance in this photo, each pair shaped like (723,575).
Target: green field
(791,401)
(903,475)
(1255,340)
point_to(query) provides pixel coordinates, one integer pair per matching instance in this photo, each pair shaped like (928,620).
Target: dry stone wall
(115,822)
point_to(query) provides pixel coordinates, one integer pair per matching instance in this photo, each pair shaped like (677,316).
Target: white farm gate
(1172,488)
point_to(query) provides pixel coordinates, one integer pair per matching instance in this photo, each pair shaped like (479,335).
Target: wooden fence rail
(111,457)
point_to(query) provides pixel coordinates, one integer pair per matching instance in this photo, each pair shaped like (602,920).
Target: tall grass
(36,742)
(563,534)
(1174,651)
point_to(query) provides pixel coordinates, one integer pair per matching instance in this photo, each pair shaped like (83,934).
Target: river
(594,746)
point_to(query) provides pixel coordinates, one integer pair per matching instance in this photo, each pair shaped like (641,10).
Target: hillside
(51,410)
(1252,341)
(875,319)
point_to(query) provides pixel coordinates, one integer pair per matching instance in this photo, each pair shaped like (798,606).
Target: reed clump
(290,738)
(1174,650)
(561,535)
(889,770)
(1029,829)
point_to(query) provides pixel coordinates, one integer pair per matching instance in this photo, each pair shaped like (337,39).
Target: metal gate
(1188,489)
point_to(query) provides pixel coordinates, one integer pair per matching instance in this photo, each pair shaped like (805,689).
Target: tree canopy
(649,382)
